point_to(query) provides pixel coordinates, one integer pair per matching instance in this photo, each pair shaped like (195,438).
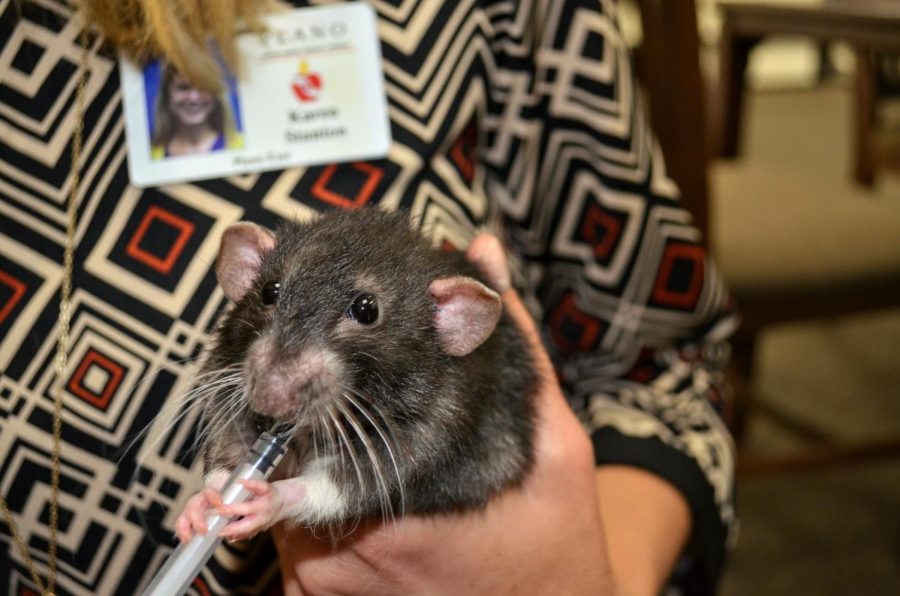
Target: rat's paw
(193,519)
(259,513)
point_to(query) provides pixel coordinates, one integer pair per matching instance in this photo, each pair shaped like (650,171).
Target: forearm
(647,523)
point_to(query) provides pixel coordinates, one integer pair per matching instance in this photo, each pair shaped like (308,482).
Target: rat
(404,386)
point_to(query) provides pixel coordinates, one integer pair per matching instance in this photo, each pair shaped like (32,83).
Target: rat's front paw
(257,514)
(193,519)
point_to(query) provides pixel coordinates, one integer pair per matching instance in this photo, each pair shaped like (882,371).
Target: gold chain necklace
(62,342)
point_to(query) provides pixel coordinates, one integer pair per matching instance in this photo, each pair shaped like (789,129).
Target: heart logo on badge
(305,84)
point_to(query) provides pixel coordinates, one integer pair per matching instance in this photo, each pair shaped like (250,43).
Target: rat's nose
(270,395)
(282,388)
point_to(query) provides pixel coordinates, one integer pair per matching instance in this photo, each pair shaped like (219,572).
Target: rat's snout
(289,387)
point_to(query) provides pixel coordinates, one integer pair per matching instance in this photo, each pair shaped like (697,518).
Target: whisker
(385,441)
(351,451)
(380,480)
(174,411)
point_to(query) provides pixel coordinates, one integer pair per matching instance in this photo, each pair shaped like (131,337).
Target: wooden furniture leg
(864,112)
(734,51)
(740,376)
(671,72)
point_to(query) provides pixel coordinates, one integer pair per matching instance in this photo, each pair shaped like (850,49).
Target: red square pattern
(462,153)
(164,266)
(373,177)
(567,315)
(18,290)
(597,219)
(680,299)
(115,371)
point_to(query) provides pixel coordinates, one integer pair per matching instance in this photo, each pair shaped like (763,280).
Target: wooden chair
(669,66)
(872,27)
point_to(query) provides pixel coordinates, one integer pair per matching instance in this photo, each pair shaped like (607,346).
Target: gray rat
(405,386)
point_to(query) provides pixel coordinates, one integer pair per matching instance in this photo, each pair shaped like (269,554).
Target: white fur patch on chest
(322,500)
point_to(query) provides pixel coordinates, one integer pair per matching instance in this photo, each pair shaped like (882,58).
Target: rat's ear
(467,313)
(243,247)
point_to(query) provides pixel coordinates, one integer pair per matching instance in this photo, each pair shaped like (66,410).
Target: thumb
(488,254)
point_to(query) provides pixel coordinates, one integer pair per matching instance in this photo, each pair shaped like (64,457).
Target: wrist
(647,521)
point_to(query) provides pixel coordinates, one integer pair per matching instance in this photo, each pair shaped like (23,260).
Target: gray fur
(460,428)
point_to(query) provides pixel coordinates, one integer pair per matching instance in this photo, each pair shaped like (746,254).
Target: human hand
(543,537)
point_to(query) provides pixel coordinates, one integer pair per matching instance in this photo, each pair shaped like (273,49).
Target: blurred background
(781,122)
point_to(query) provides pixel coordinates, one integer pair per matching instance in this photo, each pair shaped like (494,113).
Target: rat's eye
(270,292)
(364,309)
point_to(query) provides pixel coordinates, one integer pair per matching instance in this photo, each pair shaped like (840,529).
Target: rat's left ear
(467,313)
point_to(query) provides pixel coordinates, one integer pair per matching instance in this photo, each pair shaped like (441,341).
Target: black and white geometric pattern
(514,115)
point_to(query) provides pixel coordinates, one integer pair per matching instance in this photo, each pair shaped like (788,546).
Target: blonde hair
(179,32)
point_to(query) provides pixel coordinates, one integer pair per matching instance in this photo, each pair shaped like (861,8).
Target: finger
(258,487)
(487,253)
(212,496)
(197,516)
(244,528)
(251,507)
(183,529)
(560,435)
(519,313)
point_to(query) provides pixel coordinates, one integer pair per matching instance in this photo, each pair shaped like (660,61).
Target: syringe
(188,559)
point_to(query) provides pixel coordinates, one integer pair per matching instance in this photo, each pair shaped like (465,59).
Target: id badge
(312,92)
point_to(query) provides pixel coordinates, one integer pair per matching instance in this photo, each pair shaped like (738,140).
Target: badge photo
(185,120)
(311,92)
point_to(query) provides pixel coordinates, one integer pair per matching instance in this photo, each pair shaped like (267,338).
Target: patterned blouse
(523,118)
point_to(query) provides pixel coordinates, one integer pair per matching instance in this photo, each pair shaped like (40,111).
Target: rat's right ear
(467,313)
(243,247)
